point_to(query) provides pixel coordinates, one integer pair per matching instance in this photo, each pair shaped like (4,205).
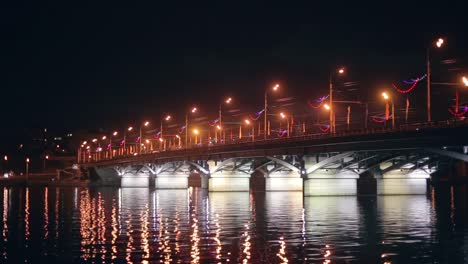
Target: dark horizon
(105,67)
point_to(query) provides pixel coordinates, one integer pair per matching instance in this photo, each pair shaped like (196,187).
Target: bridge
(368,161)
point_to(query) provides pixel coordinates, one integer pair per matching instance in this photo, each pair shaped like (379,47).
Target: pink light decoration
(122,142)
(378,119)
(282,133)
(459,114)
(324,128)
(313,105)
(407,90)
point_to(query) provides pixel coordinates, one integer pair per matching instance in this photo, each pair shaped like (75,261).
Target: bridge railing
(247,142)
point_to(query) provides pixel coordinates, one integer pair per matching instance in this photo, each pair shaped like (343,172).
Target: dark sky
(67,66)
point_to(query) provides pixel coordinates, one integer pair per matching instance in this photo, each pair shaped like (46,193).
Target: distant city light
(115,133)
(228,100)
(276,87)
(146,123)
(5,158)
(104,138)
(130,128)
(168,118)
(341,71)
(194,110)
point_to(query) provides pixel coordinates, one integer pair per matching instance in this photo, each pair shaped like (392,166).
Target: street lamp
(388,98)
(145,124)
(129,129)
(196,133)
(283,116)
(27,169)
(331,107)
(248,123)
(192,111)
(265,109)
(439,43)
(220,116)
(465,81)
(163,118)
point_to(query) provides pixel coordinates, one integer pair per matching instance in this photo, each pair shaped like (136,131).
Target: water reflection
(140,225)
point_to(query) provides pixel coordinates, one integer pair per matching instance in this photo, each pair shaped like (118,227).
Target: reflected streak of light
(282,251)
(452,206)
(5,219)
(327,255)
(75,198)
(114,231)
(246,244)
(101,212)
(195,240)
(145,234)
(167,247)
(57,197)
(84,223)
(218,241)
(130,247)
(303,228)
(46,213)
(177,232)
(26,216)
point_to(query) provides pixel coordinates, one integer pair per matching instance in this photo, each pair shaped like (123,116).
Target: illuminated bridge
(379,161)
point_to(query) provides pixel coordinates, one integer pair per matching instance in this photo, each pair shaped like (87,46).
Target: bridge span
(349,163)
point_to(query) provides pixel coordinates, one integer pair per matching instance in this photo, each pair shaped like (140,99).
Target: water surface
(140,225)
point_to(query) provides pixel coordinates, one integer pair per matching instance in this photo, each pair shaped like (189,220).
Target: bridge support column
(104,177)
(399,182)
(205,181)
(171,181)
(284,181)
(228,182)
(330,183)
(135,180)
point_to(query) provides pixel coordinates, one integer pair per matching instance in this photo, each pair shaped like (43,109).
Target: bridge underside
(327,173)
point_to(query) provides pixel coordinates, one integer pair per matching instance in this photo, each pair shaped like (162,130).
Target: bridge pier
(135,180)
(284,181)
(172,181)
(330,183)
(400,182)
(228,182)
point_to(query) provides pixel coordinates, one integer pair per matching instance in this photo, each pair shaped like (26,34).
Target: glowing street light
(85,142)
(265,110)
(220,117)
(340,71)
(193,111)
(115,133)
(218,127)
(104,137)
(247,121)
(439,43)
(196,133)
(27,169)
(327,107)
(130,128)
(5,158)
(94,140)
(387,98)
(465,81)
(145,124)
(283,116)
(168,118)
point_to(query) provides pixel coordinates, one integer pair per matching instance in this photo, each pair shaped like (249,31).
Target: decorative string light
(157,135)
(412,81)
(182,129)
(257,115)
(324,128)
(214,122)
(317,102)
(282,133)
(379,119)
(459,114)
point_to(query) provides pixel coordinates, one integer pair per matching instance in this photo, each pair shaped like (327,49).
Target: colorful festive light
(214,122)
(324,128)
(317,102)
(459,114)
(257,115)
(412,81)
(282,133)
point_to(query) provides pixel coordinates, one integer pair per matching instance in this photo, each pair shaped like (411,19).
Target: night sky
(68,67)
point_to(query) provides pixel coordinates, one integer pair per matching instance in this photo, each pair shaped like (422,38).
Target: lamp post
(163,142)
(193,111)
(115,133)
(332,108)
(248,123)
(27,169)
(145,124)
(129,129)
(438,44)
(46,157)
(220,117)
(265,110)
(387,98)
(196,133)
(283,116)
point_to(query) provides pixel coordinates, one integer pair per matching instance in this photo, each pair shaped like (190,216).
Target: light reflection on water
(139,225)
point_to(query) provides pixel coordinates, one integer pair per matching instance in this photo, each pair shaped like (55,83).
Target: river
(141,225)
